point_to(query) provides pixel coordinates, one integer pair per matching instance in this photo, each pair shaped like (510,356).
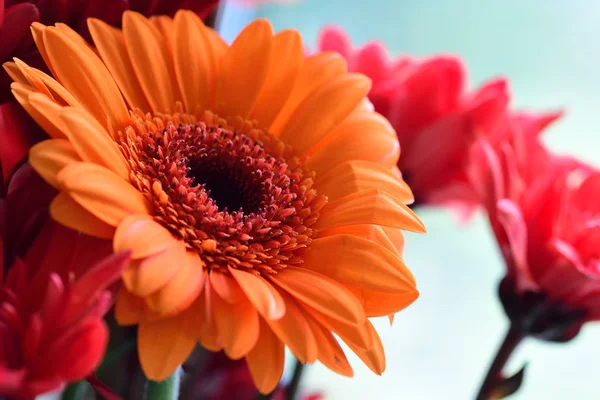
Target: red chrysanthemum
(435,117)
(51,309)
(545,214)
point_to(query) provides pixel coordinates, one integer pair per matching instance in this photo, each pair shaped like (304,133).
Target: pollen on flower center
(238,202)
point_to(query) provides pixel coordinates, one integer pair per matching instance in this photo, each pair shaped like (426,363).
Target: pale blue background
(440,347)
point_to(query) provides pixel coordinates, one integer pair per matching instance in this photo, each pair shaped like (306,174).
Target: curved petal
(372,206)
(129,309)
(359,175)
(359,262)
(316,70)
(349,142)
(182,289)
(166,343)
(150,58)
(265,297)
(282,76)
(374,357)
(144,276)
(226,287)
(330,351)
(321,293)
(142,235)
(379,304)
(323,110)
(82,73)
(237,326)
(92,142)
(375,233)
(358,335)
(50,157)
(102,193)
(238,90)
(195,61)
(111,46)
(46,117)
(293,330)
(69,213)
(166,26)
(266,360)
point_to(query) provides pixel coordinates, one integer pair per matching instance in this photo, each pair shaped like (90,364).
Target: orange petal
(58,91)
(142,235)
(111,46)
(37,30)
(165,25)
(46,117)
(266,360)
(144,276)
(349,142)
(226,287)
(210,338)
(330,351)
(82,73)
(68,212)
(359,262)
(166,343)
(218,44)
(373,206)
(50,157)
(379,304)
(265,297)
(323,110)
(396,237)
(237,89)
(374,233)
(283,73)
(15,74)
(374,358)
(195,61)
(92,142)
(50,110)
(183,289)
(293,330)
(150,57)
(102,193)
(32,80)
(129,309)
(237,326)
(358,175)
(321,293)
(358,335)
(315,72)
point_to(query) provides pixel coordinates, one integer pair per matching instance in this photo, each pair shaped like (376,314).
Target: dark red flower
(24,203)
(435,117)
(545,214)
(51,308)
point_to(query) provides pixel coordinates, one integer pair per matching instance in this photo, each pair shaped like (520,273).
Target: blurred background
(442,345)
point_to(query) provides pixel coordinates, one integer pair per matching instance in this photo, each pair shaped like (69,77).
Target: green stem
(75,391)
(165,390)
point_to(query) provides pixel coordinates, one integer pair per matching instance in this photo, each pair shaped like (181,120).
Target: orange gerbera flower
(256,189)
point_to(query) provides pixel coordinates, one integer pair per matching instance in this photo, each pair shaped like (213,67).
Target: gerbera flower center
(228,188)
(229,195)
